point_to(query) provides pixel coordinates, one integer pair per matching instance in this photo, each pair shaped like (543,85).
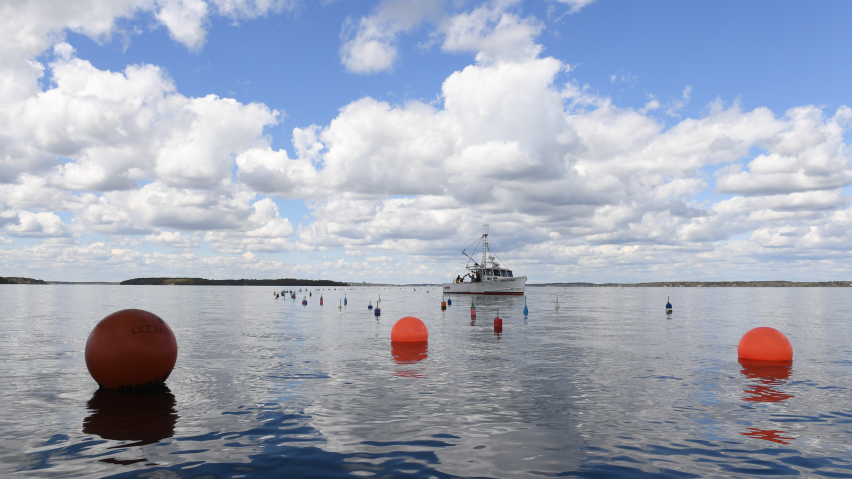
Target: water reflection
(767,375)
(404,353)
(773,435)
(146,416)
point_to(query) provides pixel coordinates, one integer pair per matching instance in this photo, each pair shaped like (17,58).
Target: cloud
(185,20)
(118,128)
(369,45)
(174,239)
(28,224)
(576,5)
(810,155)
(492,34)
(677,104)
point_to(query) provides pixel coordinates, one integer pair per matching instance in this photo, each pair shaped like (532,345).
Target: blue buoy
(668,305)
(371,305)
(526,310)
(344,300)
(311,294)
(449,301)
(378,312)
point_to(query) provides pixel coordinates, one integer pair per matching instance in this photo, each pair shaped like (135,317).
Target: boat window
(503,273)
(509,273)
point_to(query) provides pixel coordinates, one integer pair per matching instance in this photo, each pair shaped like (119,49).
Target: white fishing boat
(488,276)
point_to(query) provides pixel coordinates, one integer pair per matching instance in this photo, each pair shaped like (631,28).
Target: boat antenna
(484,245)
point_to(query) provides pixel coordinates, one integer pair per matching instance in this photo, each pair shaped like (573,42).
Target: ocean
(607,386)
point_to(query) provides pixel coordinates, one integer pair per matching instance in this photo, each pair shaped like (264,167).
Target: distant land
(325,282)
(232,282)
(710,284)
(12,280)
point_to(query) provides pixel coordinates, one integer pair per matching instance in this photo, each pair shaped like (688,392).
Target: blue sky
(600,138)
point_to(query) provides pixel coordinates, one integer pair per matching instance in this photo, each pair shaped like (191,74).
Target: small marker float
(526,310)
(557,304)
(498,323)
(668,306)
(320,300)
(304,301)
(472,309)
(344,300)
(443,305)
(370,306)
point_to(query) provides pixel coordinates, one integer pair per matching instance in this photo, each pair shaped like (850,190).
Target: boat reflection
(404,353)
(146,416)
(767,375)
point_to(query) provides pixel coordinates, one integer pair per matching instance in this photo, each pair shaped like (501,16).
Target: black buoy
(668,305)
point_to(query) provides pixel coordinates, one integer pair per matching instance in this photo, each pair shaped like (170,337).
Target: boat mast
(484,246)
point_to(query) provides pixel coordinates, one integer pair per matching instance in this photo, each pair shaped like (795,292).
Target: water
(609,387)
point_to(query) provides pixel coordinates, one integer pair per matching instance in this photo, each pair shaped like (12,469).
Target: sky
(354,140)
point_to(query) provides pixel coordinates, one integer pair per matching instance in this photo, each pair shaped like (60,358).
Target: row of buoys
(133,348)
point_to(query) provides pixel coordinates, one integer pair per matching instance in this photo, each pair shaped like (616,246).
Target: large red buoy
(409,329)
(131,348)
(765,344)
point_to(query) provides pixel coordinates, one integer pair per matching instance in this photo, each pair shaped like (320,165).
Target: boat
(487,276)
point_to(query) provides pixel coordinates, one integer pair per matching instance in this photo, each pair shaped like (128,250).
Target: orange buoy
(765,344)
(410,330)
(131,348)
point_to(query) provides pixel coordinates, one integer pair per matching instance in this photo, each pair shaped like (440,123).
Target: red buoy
(765,344)
(498,325)
(131,348)
(409,329)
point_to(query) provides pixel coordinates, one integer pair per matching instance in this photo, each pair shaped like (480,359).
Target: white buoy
(557,303)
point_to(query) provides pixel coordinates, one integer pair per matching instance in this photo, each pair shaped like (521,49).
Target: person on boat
(458,279)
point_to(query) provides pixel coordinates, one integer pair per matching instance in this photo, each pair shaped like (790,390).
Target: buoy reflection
(146,416)
(773,435)
(408,353)
(767,375)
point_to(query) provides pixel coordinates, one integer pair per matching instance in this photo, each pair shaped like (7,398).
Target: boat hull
(507,286)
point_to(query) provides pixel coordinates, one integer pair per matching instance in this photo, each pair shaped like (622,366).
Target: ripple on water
(608,387)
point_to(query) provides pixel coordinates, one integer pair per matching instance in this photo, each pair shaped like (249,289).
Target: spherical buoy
(131,348)
(765,344)
(409,330)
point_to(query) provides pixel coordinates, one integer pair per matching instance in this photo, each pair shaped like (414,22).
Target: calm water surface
(610,386)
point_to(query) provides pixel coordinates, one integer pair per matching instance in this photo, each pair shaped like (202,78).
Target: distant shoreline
(324,282)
